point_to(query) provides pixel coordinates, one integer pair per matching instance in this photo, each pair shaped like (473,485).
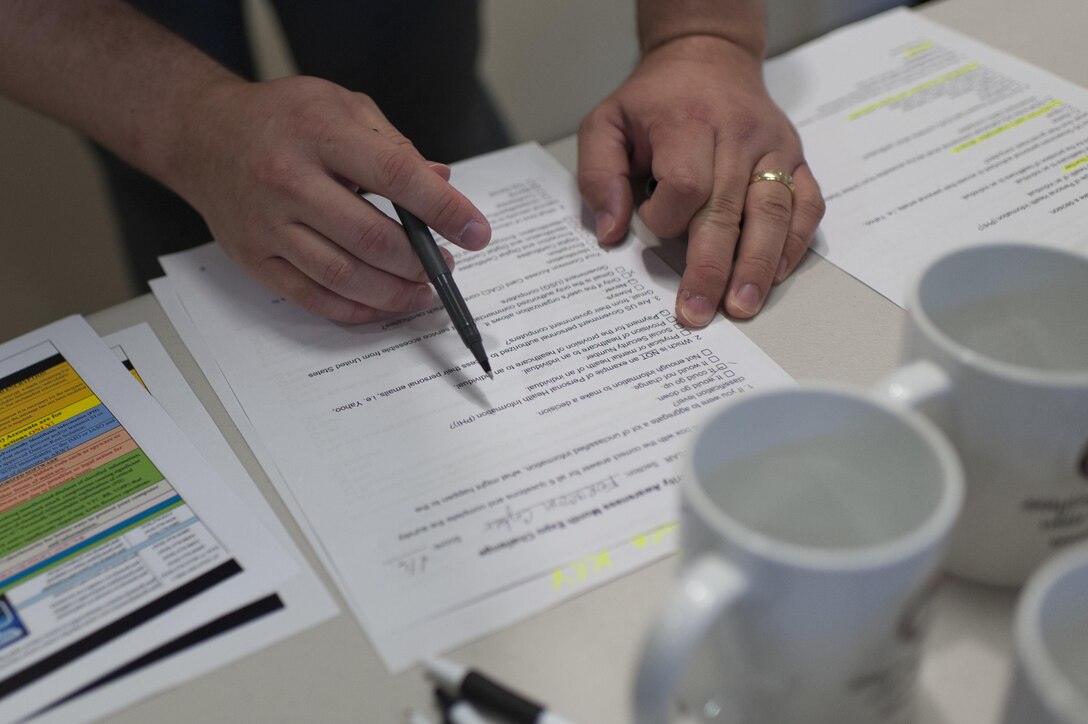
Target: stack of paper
(444,503)
(126,564)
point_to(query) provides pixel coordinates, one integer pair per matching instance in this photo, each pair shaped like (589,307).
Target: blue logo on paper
(11,628)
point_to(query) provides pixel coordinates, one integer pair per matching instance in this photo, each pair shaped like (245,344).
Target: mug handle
(706,590)
(920,385)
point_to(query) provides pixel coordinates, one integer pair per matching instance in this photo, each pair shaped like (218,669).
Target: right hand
(274,167)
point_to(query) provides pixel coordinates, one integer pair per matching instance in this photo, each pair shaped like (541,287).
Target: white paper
(925,141)
(305,601)
(168,299)
(450,504)
(124,555)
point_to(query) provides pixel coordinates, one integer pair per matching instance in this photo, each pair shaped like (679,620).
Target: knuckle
(364,101)
(395,170)
(313,123)
(708,267)
(587,124)
(812,208)
(594,120)
(759,263)
(337,273)
(443,212)
(402,142)
(658,225)
(687,183)
(771,207)
(796,243)
(744,127)
(359,314)
(311,301)
(591,177)
(371,240)
(722,212)
(398,297)
(278,174)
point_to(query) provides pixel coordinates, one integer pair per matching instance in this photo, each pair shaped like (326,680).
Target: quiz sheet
(449,504)
(925,141)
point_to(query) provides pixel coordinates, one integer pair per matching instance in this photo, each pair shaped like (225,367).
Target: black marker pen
(472,686)
(439,273)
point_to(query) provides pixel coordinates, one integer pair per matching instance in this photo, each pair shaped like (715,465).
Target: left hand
(696,114)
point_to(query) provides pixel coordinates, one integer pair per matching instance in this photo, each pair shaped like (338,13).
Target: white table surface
(578,657)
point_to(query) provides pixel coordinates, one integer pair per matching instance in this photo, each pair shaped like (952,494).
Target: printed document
(924,141)
(115,536)
(449,504)
(297,603)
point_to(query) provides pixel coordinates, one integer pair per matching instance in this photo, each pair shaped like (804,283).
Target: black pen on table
(474,687)
(439,273)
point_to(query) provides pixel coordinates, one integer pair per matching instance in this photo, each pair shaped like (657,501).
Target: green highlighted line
(1074,164)
(950,75)
(1007,126)
(916,49)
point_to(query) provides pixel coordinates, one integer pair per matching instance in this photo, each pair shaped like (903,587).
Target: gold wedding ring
(780,176)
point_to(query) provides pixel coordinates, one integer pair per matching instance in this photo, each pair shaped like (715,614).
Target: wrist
(702,49)
(738,22)
(196,129)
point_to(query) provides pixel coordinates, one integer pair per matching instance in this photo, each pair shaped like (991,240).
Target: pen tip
(481,358)
(490,376)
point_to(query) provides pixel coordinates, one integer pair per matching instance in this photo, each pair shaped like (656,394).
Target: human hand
(274,168)
(696,115)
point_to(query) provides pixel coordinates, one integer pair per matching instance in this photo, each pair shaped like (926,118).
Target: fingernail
(474,236)
(697,310)
(422,299)
(780,273)
(441,169)
(605,222)
(747,299)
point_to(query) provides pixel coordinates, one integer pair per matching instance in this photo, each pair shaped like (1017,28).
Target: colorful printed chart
(94,541)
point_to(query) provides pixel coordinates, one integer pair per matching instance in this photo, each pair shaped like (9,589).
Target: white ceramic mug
(812,524)
(996,353)
(1050,682)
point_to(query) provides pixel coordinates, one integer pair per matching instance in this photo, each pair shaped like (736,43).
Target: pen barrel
(456,308)
(491,695)
(439,273)
(423,244)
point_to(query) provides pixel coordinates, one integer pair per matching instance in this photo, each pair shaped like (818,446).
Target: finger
(683,167)
(441,169)
(333,268)
(359,228)
(397,172)
(808,210)
(712,239)
(280,275)
(604,173)
(768,208)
